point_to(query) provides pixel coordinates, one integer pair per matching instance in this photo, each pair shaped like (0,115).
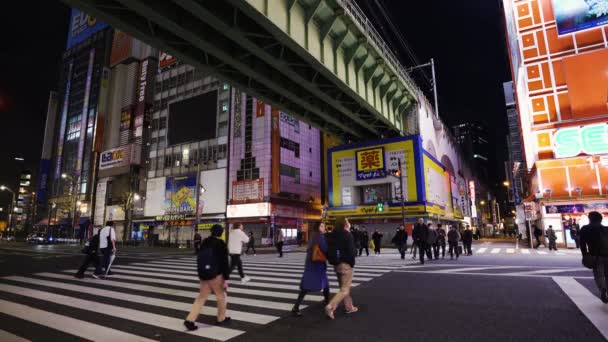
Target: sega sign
(82,26)
(572,141)
(112,158)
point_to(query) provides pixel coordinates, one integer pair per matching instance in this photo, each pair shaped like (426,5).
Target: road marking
(525,251)
(586,302)
(482,250)
(541,252)
(169,323)
(495,250)
(469,269)
(490,274)
(162,290)
(560,253)
(126,269)
(69,325)
(550,271)
(167,304)
(510,250)
(8,337)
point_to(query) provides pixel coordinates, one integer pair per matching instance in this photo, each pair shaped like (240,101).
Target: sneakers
(191,326)
(96,276)
(604,296)
(225,321)
(245,280)
(296,313)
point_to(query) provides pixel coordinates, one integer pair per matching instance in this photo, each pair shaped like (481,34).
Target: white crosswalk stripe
(481,250)
(155,296)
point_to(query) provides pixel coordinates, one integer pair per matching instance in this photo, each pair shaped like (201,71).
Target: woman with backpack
(341,253)
(213,272)
(315,268)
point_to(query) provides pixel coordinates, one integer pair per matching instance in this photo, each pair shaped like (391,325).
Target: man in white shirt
(107,245)
(236,239)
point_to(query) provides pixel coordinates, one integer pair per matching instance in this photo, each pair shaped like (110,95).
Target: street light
(12,206)
(506,183)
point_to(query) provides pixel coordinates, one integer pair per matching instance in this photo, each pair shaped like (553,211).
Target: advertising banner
(571,141)
(577,15)
(370,164)
(248,191)
(165,59)
(120,156)
(63,122)
(180,195)
(122,47)
(86,113)
(437,181)
(82,26)
(43,179)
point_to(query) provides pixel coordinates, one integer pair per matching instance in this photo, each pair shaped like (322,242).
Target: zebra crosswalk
(482,249)
(147,301)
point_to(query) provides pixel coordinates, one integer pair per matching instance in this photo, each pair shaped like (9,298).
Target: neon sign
(572,141)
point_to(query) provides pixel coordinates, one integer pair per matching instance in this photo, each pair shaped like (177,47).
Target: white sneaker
(245,280)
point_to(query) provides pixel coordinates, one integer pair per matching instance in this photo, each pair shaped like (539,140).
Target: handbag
(317,254)
(590,261)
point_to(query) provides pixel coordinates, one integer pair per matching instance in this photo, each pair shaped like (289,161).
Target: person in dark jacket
(341,253)
(594,245)
(377,238)
(315,272)
(250,244)
(538,233)
(420,236)
(575,235)
(552,238)
(467,241)
(453,238)
(197,242)
(90,250)
(431,242)
(356,236)
(213,277)
(440,242)
(364,241)
(400,241)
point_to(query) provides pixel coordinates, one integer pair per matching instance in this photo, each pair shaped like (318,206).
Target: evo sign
(572,141)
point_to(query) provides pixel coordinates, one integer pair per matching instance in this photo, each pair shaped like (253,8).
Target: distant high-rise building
(24,206)
(473,140)
(515,167)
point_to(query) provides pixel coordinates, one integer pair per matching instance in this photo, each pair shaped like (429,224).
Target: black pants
(296,306)
(538,243)
(362,248)
(467,247)
(89,259)
(454,249)
(197,247)
(235,261)
(552,245)
(106,253)
(422,248)
(280,248)
(428,249)
(577,242)
(377,247)
(401,248)
(250,245)
(440,246)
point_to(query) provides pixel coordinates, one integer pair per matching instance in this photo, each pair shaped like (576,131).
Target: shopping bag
(372,245)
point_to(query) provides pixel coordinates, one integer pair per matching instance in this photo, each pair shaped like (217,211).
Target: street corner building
(559,62)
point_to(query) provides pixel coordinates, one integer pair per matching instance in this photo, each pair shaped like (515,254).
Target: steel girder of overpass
(318,60)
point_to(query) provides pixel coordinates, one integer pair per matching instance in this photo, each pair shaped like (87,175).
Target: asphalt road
(498,294)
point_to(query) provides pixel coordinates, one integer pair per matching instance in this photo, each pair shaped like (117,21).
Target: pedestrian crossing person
(364,243)
(594,247)
(377,238)
(90,250)
(552,237)
(213,272)
(440,242)
(235,247)
(431,242)
(250,244)
(279,243)
(315,268)
(453,238)
(467,240)
(341,254)
(107,246)
(197,242)
(400,241)
(420,236)
(538,233)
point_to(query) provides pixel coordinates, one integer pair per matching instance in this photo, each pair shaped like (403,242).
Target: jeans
(106,254)
(438,246)
(303,293)
(454,249)
(467,247)
(414,249)
(215,285)
(600,273)
(235,261)
(344,272)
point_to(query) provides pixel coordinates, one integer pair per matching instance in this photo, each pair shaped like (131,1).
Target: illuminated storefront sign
(571,141)
(472,191)
(370,164)
(572,16)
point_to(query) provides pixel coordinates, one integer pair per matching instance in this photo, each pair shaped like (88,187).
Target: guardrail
(356,14)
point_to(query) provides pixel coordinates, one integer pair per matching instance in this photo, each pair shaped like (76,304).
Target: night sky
(464,37)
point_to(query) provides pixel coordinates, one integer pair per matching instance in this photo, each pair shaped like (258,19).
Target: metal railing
(356,15)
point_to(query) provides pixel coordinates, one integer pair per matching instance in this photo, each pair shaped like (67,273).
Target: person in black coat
(467,241)
(377,238)
(364,242)
(213,272)
(400,241)
(90,250)
(420,235)
(538,233)
(575,235)
(594,245)
(441,235)
(341,253)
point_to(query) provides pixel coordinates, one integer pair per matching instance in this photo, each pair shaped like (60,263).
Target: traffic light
(380,207)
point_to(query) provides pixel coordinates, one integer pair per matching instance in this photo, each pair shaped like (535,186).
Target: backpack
(207,263)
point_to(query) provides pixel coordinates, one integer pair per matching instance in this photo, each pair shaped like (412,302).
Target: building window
(74,126)
(226,86)
(162,122)
(290,171)
(222,129)
(291,146)
(224,106)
